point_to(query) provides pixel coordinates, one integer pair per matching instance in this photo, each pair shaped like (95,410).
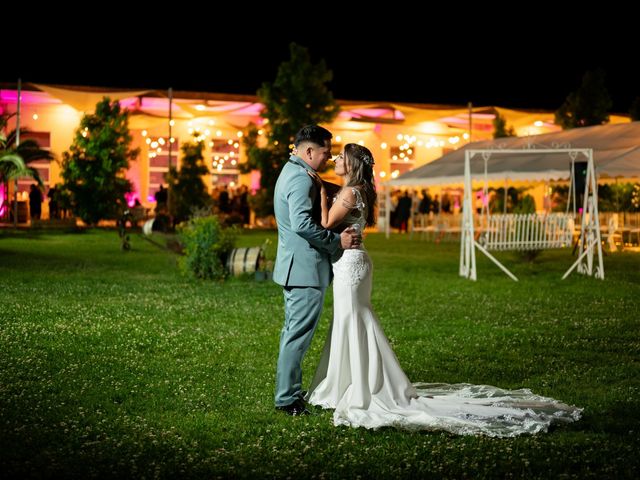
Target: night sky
(532,61)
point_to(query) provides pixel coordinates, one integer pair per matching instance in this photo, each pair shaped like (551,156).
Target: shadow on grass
(618,418)
(37,233)
(53,251)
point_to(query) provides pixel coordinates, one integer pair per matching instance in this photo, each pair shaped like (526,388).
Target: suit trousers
(302,310)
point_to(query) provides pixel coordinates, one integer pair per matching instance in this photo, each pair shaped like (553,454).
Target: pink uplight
(388,113)
(236,108)
(485,198)
(131,198)
(28,97)
(3,207)
(255,180)
(129,103)
(155,103)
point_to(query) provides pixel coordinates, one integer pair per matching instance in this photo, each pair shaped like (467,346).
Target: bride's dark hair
(359,161)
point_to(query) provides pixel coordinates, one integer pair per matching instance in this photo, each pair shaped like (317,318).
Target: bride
(359,375)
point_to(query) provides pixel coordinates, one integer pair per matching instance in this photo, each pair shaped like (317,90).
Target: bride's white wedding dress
(360,377)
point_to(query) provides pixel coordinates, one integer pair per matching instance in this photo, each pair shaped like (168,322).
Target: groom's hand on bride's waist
(350,238)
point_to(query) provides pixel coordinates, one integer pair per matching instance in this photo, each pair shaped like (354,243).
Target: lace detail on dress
(359,205)
(357,211)
(352,267)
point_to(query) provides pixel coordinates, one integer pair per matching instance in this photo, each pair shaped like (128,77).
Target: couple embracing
(359,376)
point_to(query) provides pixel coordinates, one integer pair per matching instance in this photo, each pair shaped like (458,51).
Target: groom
(303,265)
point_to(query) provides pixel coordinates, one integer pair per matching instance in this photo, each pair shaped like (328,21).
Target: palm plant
(15,160)
(11,167)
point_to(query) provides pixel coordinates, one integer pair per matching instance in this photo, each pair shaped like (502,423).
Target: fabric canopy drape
(86,101)
(616,150)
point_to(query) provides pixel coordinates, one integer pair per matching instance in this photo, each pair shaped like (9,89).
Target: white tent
(616,151)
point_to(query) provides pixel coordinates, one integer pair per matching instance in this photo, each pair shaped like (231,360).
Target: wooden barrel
(244,260)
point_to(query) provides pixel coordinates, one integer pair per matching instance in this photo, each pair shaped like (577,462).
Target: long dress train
(360,377)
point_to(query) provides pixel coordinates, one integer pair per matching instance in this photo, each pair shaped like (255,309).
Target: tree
(618,197)
(634,111)
(635,197)
(500,129)
(299,96)
(588,106)
(94,167)
(187,191)
(514,198)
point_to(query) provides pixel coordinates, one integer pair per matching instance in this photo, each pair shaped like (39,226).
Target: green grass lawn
(114,365)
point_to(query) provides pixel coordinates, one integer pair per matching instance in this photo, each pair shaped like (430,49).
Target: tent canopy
(616,153)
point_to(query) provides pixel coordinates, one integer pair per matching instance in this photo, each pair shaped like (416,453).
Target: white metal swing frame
(531,231)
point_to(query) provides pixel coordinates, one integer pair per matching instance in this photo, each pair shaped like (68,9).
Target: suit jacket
(304,247)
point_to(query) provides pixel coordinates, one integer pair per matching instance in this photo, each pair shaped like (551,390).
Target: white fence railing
(528,231)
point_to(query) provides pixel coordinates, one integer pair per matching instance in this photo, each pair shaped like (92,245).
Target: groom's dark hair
(314,134)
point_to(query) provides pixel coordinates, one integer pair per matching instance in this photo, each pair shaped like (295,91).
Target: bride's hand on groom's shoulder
(316,178)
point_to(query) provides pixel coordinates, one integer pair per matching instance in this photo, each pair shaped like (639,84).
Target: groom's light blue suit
(303,268)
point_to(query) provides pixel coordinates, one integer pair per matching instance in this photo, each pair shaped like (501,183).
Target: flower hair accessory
(366,158)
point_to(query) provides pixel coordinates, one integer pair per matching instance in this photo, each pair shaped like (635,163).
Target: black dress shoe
(297,408)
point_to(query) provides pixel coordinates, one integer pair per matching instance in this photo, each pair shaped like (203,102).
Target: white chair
(611,234)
